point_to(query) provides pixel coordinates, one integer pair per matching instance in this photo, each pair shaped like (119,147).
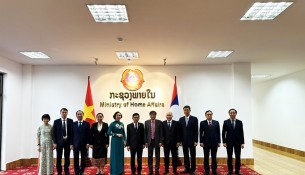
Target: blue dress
(117,148)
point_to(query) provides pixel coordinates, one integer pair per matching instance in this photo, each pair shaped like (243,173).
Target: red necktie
(153,129)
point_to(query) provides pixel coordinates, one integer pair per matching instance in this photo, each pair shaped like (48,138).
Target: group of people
(66,135)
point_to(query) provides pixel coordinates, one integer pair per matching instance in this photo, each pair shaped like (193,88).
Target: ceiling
(183,32)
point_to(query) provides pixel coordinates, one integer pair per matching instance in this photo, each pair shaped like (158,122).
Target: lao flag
(174,108)
(89,114)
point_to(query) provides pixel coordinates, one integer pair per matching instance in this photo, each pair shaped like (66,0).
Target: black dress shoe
(150,173)
(229,173)
(215,173)
(192,173)
(67,173)
(207,173)
(157,173)
(238,173)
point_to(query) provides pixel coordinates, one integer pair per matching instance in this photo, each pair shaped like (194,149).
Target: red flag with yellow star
(89,114)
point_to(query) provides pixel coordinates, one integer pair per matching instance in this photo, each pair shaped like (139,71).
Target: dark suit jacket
(171,134)
(99,138)
(158,131)
(58,131)
(210,135)
(232,136)
(189,133)
(135,137)
(80,136)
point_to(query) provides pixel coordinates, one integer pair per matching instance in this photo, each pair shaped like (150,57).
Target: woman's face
(118,116)
(45,120)
(100,117)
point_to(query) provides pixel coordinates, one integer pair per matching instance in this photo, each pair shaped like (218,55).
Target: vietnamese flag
(89,114)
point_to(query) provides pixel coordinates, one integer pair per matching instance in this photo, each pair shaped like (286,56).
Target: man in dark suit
(61,140)
(153,140)
(135,142)
(210,141)
(171,141)
(233,137)
(79,142)
(189,139)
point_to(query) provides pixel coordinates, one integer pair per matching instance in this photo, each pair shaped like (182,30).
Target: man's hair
(187,106)
(63,109)
(135,114)
(152,113)
(232,110)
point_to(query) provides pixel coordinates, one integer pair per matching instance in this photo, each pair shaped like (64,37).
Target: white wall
(214,87)
(12,115)
(278,111)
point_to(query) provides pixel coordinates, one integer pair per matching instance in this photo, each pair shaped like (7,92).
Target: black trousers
(237,151)
(83,152)
(206,150)
(133,152)
(173,149)
(192,150)
(59,150)
(151,148)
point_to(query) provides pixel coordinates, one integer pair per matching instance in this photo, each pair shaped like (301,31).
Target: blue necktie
(64,132)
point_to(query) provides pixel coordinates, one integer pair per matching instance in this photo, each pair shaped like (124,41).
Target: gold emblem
(132,80)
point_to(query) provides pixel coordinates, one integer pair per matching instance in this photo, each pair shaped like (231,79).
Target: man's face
(153,116)
(79,115)
(169,117)
(186,111)
(136,118)
(209,115)
(232,114)
(64,114)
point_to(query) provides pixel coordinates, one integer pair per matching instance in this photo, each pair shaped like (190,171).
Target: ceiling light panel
(108,13)
(32,54)
(219,54)
(265,10)
(127,54)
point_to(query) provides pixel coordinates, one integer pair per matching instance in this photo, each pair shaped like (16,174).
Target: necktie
(152,129)
(79,124)
(210,124)
(136,126)
(186,121)
(233,124)
(64,132)
(169,124)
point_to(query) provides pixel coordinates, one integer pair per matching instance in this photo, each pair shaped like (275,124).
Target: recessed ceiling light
(260,76)
(265,10)
(219,54)
(127,54)
(35,54)
(108,13)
